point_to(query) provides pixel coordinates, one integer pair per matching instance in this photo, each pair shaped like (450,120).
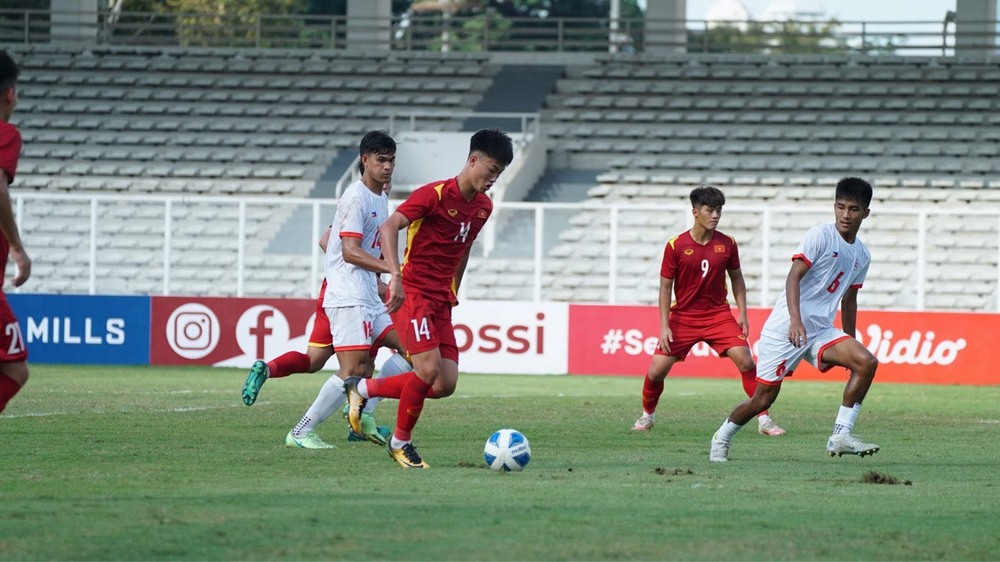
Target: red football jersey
(10,150)
(699,272)
(442,227)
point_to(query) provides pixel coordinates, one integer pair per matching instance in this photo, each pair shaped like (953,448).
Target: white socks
(728,431)
(393,366)
(845,419)
(331,397)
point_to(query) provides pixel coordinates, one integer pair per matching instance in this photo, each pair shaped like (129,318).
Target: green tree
(475,32)
(787,37)
(231,22)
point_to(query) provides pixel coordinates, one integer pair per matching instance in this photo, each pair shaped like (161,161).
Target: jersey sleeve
(349,222)
(10,150)
(420,203)
(668,267)
(811,247)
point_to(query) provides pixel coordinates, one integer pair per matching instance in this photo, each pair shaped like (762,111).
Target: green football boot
(251,388)
(307,441)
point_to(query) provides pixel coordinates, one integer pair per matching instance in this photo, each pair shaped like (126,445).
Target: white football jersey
(834,267)
(359,214)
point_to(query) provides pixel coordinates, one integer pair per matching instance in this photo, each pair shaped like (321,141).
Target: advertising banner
(512,337)
(227,332)
(912,347)
(493,337)
(84,329)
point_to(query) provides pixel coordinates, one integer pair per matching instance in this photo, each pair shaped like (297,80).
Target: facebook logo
(262,331)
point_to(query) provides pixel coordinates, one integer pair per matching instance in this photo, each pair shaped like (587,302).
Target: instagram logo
(193,330)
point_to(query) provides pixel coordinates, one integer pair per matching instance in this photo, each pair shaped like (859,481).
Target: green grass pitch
(145,463)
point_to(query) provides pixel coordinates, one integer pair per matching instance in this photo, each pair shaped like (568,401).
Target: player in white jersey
(358,318)
(828,268)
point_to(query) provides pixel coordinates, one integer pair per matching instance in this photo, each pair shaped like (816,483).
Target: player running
(443,219)
(828,268)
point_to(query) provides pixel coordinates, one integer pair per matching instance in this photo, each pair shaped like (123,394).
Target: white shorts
(777,357)
(357,327)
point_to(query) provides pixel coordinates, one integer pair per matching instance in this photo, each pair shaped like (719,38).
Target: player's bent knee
(444,391)
(871,365)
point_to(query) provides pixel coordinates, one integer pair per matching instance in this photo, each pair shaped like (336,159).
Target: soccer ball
(507,450)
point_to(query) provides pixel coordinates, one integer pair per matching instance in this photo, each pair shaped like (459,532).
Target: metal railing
(422,32)
(82,232)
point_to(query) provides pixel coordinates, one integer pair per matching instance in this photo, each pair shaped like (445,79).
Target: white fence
(923,258)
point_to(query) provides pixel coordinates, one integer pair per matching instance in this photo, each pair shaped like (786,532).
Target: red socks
(389,387)
(750,384)
(651,392)
(411,402)
(8,388)
(288,364)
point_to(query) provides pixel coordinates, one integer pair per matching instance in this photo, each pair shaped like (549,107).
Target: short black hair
(494,143)
(8,71)
(855,189)
(375,142)
(707,195)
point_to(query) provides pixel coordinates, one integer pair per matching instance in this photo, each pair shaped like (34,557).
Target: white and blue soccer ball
(507,450)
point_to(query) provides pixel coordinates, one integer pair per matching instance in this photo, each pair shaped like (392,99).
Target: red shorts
(719,330)
(424,325)
(321,335)
(12,348)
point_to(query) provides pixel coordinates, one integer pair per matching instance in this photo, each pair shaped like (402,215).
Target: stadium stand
(170,121)
(775,132)
(778,132)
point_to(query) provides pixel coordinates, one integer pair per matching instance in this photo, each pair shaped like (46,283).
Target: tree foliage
(785,37)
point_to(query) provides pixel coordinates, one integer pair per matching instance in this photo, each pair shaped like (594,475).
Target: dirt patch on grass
(874,477)
(672,471)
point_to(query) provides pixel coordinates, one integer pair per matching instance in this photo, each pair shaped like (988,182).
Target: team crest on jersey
(481,214)
(720,248)
(688,252)
(452,212)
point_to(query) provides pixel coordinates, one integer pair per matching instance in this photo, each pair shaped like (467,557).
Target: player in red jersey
(694,268)
(443,219)
(13,353)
